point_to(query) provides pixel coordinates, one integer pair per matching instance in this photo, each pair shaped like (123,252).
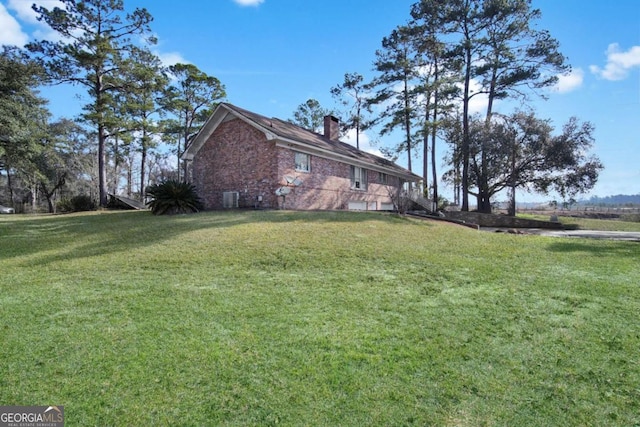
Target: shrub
(79,203)
(173,197)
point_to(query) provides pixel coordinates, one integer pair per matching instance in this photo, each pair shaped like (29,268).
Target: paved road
(632,236)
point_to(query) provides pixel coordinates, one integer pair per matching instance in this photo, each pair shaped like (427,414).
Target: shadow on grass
(47,239)
(571,226)
(600,248)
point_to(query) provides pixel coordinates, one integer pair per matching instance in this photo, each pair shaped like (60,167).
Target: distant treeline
(617,200)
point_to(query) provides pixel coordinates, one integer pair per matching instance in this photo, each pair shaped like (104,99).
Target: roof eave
(212,124)
(223,110)
(218,116)
(313,150)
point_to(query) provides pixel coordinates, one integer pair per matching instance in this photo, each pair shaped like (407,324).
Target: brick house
(243,159)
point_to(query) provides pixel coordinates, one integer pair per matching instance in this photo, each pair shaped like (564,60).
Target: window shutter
(363,177)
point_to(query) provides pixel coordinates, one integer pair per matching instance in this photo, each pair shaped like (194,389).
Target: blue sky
(273,55)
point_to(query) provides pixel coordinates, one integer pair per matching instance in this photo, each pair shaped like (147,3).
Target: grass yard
(590,224)
(300,318)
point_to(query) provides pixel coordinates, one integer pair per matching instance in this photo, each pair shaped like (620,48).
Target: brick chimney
(331,128)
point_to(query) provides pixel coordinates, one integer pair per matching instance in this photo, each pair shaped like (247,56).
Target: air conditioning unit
(230,199)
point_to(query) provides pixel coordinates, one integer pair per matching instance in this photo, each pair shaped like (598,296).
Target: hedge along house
(242,159)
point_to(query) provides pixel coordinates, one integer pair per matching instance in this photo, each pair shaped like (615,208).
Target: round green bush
(79,203)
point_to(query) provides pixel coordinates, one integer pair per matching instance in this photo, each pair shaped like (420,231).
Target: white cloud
(479,103)
(10,31)
(249,2)
(26,14)
(48,34)
(569,82)
(171,58)
(25,11)
(167,58)
(619,63)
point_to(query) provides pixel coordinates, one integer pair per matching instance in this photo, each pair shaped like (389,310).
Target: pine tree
(190,100)
(96,38)
(352,93)
(23,116)
(310,115)
(147,82)
(396,87)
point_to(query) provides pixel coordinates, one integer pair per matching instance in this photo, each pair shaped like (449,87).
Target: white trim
(308,161)
(361,181)
(216,119)
(209,127)
(326,154)
(267,133)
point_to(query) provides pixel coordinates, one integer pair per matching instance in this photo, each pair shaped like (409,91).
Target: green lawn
(294,318)
(590,224)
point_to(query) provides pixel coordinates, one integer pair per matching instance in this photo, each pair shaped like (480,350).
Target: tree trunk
(407,120)
(512,200)
(186,141)
(484,201)
(511,211)
(130,177)
(10,187)
(425,166)
(49,197)
(457,189)
(102,165)
(484,205)
(34,198)
(465,137)
(425,156)
(143,162)
(102,139)
(358,127)
(466,140)
(433,138)
(116,165)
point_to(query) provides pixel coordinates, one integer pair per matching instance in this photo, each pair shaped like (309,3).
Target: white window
(383,178)
(358,178)
(303,162)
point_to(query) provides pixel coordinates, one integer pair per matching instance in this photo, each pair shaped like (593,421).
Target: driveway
(632,236)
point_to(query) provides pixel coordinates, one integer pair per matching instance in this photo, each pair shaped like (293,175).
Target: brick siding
(328,185)
(238,157)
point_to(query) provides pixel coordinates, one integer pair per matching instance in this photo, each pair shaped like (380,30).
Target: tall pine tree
(147,81)
(190,100)
(395,84)
(352,94)
(95,40)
